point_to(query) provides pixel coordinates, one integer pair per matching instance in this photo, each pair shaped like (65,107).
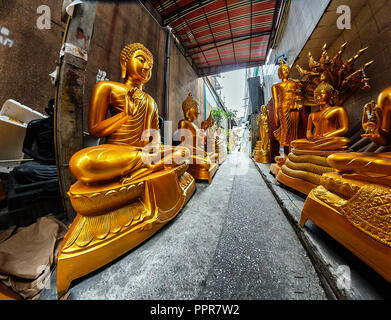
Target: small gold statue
(287,100)
(353,204)
(128,188)
(335,82)
(215,146)
(201,166)
(221,145)
(262,148)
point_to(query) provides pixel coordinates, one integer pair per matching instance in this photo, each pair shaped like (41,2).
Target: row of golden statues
(349,193)
(131,186)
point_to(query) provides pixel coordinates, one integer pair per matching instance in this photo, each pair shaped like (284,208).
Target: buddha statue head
(210,121)
(324,94)
(136,64)
(283,70)
(190,108)
(264,110)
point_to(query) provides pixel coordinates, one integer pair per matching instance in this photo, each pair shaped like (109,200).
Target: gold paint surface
(128,188)
(201,162)
(287,101)
(261,151)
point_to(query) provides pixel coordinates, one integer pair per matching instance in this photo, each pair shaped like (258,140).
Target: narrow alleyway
(231,241)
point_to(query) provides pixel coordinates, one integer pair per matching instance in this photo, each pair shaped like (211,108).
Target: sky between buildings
(233,89)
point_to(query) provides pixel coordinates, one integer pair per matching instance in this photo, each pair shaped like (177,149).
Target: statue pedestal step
(131,214)
(372,252)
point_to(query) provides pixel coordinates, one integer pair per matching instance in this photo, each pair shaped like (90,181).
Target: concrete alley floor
(231,241)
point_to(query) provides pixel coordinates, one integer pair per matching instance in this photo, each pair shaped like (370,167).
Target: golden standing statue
(353,204)
(128,188)
(287,104)
(262,148)
(201,166)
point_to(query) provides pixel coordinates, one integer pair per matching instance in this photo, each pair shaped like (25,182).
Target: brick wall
(26,65)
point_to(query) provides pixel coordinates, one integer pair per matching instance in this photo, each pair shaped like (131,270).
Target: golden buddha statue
(353,203)
(202,165)
(262,148)
(326,128)
(210,138)
(287,101)
(129,187)
(221,145)
(215,145)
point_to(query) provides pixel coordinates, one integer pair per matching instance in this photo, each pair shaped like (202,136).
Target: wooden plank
(69,96)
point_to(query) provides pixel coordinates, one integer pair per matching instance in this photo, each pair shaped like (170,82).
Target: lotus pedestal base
(116,218)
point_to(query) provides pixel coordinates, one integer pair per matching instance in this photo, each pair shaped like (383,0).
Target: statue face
(139,66)
(322,97)
(193,112)
(284,72)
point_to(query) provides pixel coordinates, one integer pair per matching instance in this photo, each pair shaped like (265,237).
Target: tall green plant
(217,115)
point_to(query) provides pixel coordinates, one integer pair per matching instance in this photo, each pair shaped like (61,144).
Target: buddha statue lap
(261,151)
(353,203)
(203,163)
(129,187)
(287,101)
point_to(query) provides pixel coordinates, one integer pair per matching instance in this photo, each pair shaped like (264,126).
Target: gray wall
(302,18)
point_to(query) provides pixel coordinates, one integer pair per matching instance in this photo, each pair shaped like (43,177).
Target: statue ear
(123,70)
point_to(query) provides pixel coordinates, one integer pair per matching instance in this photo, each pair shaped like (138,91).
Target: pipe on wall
(167,76)
(204,98)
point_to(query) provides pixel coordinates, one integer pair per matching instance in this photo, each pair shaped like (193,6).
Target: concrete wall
(26,65)
(117,25)
(371,27)
(302,17)
(183,80)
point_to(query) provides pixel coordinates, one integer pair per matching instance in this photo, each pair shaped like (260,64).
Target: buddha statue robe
(262,148)
(287,104)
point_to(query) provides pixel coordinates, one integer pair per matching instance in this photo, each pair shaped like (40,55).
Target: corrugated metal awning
(221,35)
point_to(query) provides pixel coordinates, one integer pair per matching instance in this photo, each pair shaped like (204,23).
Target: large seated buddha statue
(287,100)
(353,204)
(129,187)
(327,127)
(202,163)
